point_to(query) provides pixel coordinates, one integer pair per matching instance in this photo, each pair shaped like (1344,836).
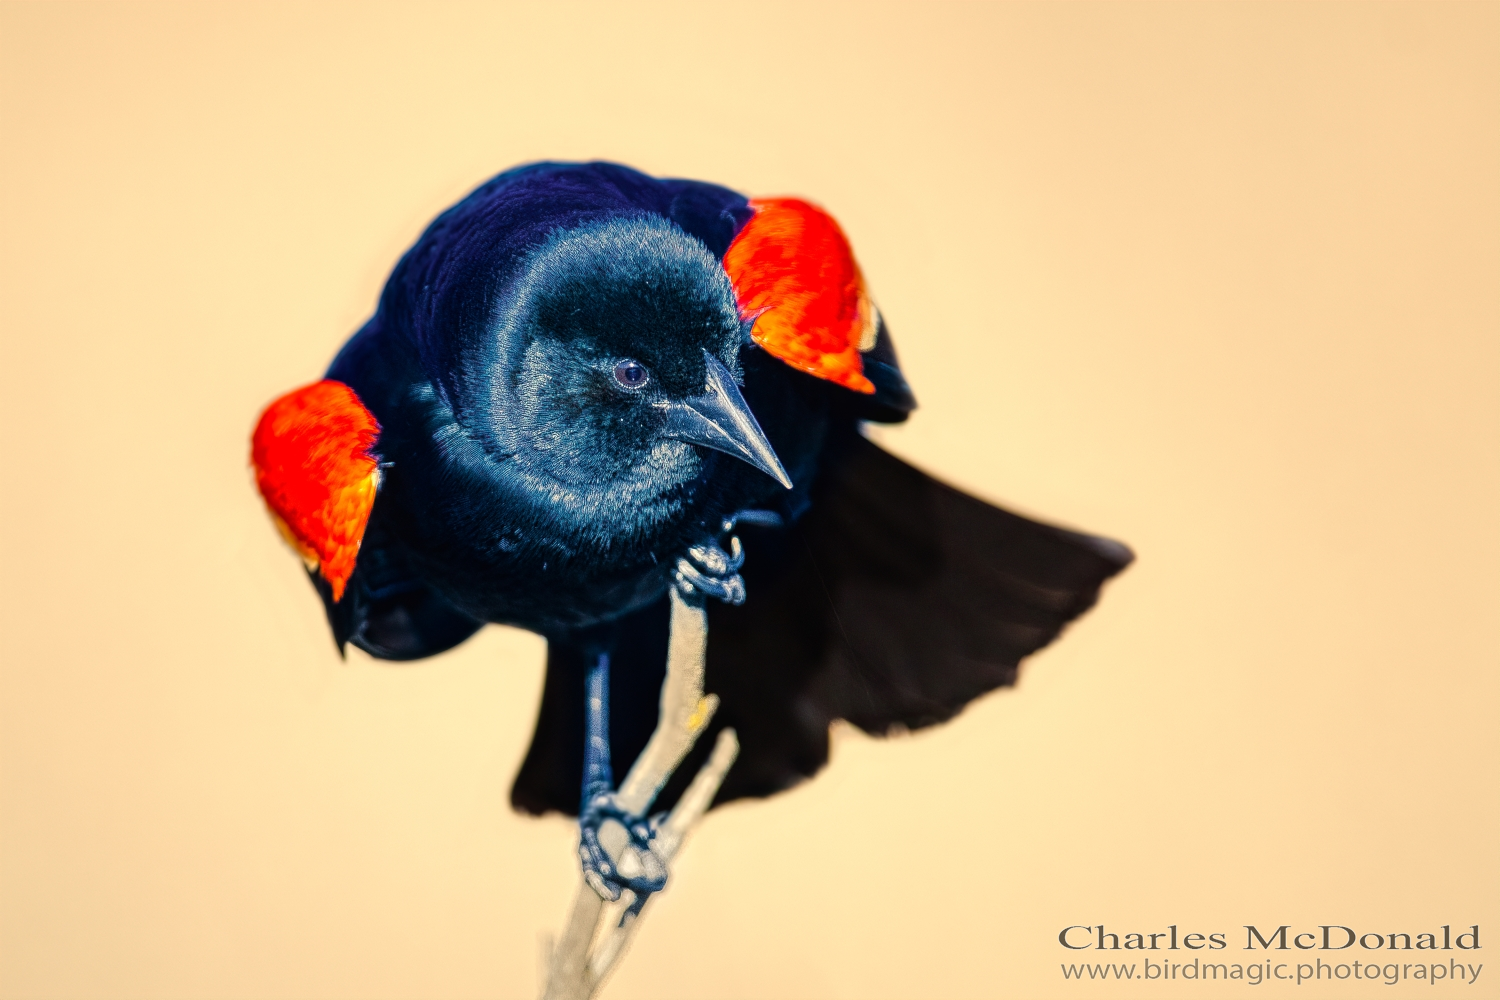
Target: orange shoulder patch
(311,453)
(793,271)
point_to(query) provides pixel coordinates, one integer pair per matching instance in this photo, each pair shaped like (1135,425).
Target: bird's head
(613,362)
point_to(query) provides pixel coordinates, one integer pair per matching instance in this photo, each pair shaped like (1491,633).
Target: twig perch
(598,931)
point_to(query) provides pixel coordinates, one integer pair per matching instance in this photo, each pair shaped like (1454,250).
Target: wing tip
(1118,553)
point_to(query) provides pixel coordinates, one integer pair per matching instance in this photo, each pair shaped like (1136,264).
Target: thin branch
(576,970)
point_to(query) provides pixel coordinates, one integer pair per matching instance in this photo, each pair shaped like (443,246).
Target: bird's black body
(521,485)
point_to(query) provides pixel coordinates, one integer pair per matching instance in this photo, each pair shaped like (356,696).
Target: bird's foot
(712,571)
(617,850)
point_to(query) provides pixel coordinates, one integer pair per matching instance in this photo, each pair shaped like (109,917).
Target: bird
(584,386)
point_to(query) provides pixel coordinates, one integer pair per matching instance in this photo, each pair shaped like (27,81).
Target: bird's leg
(624,857)
(614,846)
(615,843)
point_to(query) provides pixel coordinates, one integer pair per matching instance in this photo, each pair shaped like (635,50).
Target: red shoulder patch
(311,452)
(793,271)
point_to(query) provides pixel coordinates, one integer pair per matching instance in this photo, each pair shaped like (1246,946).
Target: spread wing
(313,464)
(893,603)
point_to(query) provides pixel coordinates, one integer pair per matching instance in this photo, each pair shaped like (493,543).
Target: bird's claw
(629,861)
(709,569)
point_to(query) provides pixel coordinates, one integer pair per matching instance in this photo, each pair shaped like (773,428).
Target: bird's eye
(631,374)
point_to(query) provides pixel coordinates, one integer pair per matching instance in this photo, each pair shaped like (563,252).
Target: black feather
(894,602)
(387,610)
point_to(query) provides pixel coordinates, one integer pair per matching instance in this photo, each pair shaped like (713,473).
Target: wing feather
(893,603)
(314,466)
(795,275)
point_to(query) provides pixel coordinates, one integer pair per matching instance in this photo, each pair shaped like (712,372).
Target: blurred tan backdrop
(1220,281)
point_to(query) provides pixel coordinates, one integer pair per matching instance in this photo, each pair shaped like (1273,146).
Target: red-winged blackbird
(577,384)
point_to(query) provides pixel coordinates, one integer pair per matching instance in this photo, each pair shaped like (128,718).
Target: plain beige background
(1220,281)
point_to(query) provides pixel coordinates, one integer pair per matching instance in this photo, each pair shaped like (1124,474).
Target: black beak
(721,419)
